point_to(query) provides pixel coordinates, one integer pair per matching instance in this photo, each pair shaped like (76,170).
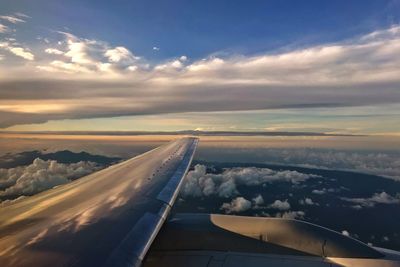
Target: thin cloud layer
(12,19)
(112,81)
(3,28)
(386,164)
(377,198)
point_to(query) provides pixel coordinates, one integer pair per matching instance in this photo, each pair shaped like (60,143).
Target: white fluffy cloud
(291,215)
(16,50)
(238,204)
(78,51)
(377,198)
(258,200)
(119,53)
(280,205)
(307,201)
(173,65)
(86,57)
(41,175)
(200,183)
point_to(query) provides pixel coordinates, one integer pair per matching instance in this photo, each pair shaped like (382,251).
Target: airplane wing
(118,217)
(108,218)
(204,240)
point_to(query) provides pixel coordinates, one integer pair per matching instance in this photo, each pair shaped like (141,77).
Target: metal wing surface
(108,218)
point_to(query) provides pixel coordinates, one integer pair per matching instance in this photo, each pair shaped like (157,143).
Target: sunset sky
(317,66)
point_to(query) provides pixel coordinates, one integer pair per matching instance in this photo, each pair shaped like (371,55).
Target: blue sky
(200,28)
(150,63)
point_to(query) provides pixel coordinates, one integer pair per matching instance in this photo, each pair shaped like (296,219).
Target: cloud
(237,205)
(280,205)
(156,48)
(78,51)
(346,233)
(21,15)
(381,163)
(176,64)
(199,183)
(307,201)
(133,68)
(40,175)
(291,215)
(12,19)
(319,191)
(258,200)
(21,52)
(357,72)
(18,51)
(377,198)
(3,28)
(119,53)
(87,57)
(53,51)
(59,65)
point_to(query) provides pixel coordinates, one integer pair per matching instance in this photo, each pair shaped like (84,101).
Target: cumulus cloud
(176,64)
(307,201)
(78,51)
(237,205)
(40,175)
(377,198)
(280,205)
(258,200)
(119,53)
(291,215)
(86,57)
(358,72)
(200,183)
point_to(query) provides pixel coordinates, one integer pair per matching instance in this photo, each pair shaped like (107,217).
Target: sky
(317,66)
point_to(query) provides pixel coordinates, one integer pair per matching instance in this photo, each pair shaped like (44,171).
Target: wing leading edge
(108,218)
